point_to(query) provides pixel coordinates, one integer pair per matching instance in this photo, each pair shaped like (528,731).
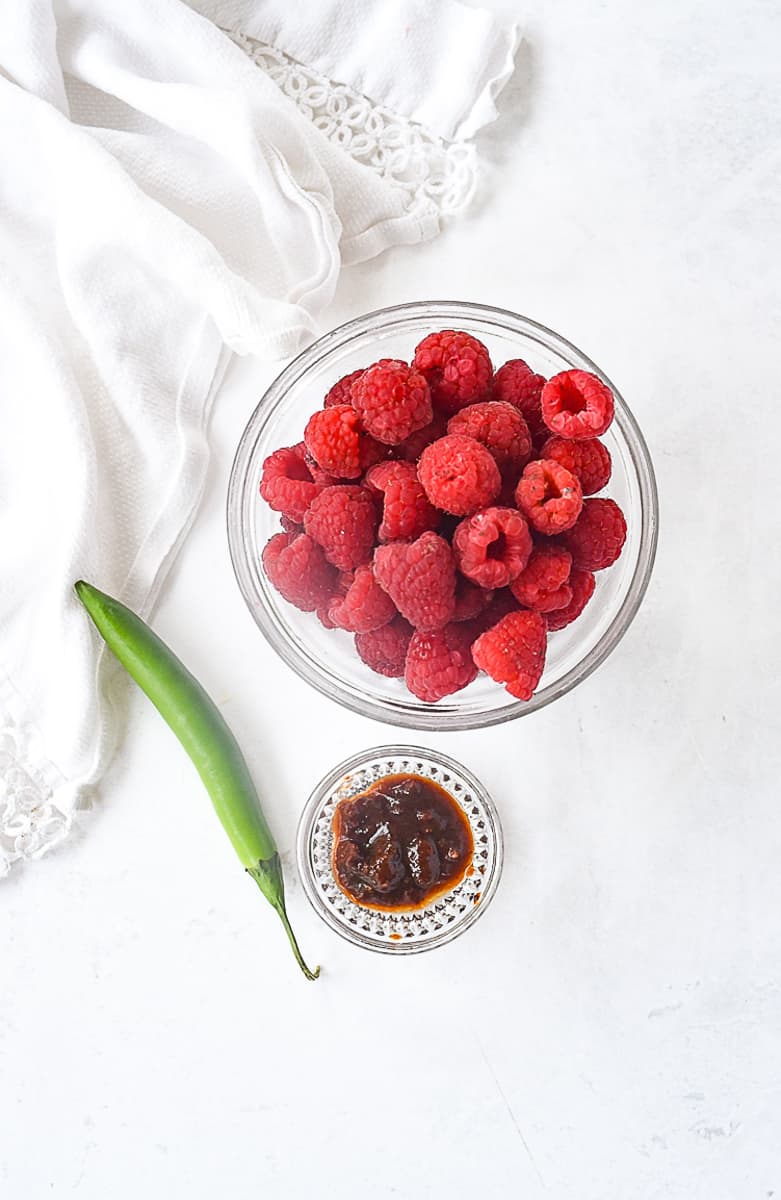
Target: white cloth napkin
(168,196)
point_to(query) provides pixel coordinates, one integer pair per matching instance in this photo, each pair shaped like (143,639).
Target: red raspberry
(581,584)
(420,578)
(343,582)
(589,461)
(516,384)
(290,526)
(340,392)
(390,470)
(459,475)
(364,607)
(412,447)
(297,568)
(318,474)
(503,602)
(598,537)
(321,477)
(457,367)
(406,512)
(575,404)
(471,600)
(335,439)
(492,547)
(385,649)
(393,401)
(513,652)
(287,485)
(542,585)
(343,520)
(549,496)
(371,452)
(440,663)
(500,428)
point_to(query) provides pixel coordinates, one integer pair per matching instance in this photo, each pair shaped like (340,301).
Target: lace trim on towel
(430,170)
(30,823)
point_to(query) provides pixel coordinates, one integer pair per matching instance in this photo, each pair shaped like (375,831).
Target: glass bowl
(399,932)
(326,659)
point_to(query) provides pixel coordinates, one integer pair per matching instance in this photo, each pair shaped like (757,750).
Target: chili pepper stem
(200,727)
(268,876)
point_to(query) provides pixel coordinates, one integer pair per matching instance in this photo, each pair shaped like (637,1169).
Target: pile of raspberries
(445,515)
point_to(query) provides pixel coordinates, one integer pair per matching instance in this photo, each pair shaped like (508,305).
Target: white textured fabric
(163,202)
(435,61)
(429,169)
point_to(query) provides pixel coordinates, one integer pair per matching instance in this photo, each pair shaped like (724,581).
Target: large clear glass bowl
(326,658)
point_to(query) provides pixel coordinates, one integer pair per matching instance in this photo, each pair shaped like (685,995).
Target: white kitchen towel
(178,182)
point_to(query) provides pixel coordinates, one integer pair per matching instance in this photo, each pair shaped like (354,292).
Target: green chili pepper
(202,730)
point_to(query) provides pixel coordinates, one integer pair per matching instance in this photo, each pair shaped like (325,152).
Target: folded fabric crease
(173,193)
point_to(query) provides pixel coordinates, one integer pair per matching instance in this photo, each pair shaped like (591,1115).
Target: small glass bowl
(399,932)
(326,659)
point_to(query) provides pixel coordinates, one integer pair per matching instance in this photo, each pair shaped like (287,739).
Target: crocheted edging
(432,173)
(30,821)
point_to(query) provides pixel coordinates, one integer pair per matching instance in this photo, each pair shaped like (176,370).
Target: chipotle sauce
(400,844)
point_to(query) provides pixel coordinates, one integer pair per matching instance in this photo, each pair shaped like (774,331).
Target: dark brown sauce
(400,844)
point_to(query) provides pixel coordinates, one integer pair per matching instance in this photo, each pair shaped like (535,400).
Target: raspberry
(589,461)
(364,607)
(503,602)
(412,510)
(500,428)
(598,537)
(297,568)
(287,485)
(371,452)
(549,496)
(513,652)
(492,547)
(392,400)
(575,404)
(515,383)
(406,512)
(459,475)
(343,520)
(542,585)
(335,439)
(581,584)
(340,392)
(385,649)
(471,600)
(378,477)
(420,578)
(318,474)
(440,663)
(343,582)
(457,367)
(412,447)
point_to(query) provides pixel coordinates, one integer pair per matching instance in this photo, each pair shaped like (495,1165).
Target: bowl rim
(410,715)
(306,826)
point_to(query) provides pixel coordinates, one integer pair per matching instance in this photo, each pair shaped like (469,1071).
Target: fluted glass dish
(406,932)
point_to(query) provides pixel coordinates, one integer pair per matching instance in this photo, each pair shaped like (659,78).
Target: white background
(612,1026)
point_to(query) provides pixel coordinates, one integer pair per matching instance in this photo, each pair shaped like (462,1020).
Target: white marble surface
(612,1027)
